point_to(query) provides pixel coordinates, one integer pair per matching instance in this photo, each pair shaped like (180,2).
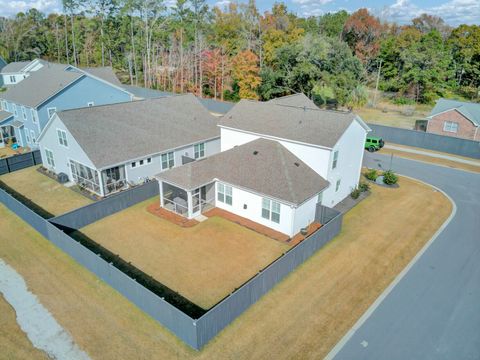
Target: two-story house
(52,88)
(15,72)
(107,148)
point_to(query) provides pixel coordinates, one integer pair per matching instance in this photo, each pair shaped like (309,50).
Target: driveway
(433,312)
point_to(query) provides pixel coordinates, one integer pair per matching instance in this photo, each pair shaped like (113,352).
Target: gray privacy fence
(86,215)
(194,332)
(18,162)
(429,141)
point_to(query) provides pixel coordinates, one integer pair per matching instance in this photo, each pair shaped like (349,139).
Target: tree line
(236,52)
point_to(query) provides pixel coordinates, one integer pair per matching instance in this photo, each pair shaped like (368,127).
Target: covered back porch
(186,202)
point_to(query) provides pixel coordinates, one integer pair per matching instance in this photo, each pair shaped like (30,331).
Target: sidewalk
(433,154)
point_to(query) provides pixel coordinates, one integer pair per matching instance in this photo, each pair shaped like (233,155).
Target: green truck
(374,143)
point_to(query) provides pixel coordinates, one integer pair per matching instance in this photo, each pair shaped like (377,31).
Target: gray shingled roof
(263,166)
(299,100)
(14,67)
(311,126)
(41,85)
(4,115)
(470,110)
(17,123)
(105,73)
(114,134)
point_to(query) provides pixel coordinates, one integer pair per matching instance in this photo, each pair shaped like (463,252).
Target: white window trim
(199,151)
(90,103)
(168,160)
(227,191)
(270,210)
(34,116)
(24,113)
(27,135)
(13,79)
(48,112)
(335,160)
(448,126)
(15,110)
(32,137)
(53,158)
(338,184)
(58,138)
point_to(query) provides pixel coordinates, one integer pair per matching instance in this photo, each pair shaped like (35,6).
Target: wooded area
(236,52)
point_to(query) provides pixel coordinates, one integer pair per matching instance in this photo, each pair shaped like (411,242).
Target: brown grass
(204,263)
(431,159)
(7,151)
(393,115)
(302,317)
(43,191)
(14,344)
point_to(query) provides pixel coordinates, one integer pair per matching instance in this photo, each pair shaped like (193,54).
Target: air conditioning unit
(62,178)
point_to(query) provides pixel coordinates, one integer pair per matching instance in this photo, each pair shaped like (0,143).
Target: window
(450,126)
(320,197)
(50,159)
(271,210)
(167,161)
(24,113)
(141,162)
(15,109)
(13,79)
(4,105)
(224,194)
(133,164)
(34,116)
(90,104)
(27,136)
(149,160)
(85,176)
(199,150)
(51,111)
(337,186)
(32,135)
(62,137)
(335,159)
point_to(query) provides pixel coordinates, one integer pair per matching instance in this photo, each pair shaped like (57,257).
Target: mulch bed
(165,214)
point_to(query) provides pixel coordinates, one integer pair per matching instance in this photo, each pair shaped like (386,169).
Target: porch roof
(263,166)
(5,115)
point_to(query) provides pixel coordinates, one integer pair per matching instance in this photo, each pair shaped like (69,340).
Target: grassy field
(430,159)
(302,317)
(14,344)
(43,191)
(393,115)
(204,263)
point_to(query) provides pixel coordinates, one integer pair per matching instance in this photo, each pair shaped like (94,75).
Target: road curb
(338,347)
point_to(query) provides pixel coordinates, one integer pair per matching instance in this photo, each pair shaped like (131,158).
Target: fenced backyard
(21,161)
(196,330)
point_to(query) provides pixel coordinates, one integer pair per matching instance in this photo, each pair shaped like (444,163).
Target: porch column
(100,180)
(160,184)
(189,204)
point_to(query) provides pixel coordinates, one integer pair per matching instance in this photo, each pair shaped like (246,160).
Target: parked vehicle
(374,143)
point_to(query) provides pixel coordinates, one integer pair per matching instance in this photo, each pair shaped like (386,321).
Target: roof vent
(296,164)
(255,152)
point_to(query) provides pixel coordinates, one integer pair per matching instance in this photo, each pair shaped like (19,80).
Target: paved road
(434,311)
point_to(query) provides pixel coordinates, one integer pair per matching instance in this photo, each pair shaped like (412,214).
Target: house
(260,180)
(455,118)
(329,142)
(51,88)
(3,63)
(15,72)
(107,148)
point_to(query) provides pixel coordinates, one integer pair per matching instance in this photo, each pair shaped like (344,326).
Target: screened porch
(187,203)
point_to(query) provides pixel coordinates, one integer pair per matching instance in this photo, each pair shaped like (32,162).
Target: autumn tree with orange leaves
(246,72)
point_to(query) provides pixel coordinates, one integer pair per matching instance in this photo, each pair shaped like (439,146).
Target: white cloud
(311,7)
(9,7)
(454,12)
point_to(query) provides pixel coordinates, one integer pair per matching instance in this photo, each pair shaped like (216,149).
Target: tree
(332,24)
(362,33)
(426,23)
(246,70)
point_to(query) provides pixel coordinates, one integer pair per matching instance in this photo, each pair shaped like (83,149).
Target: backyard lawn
(203,263)
(302,317)
(7,151)
(43,191)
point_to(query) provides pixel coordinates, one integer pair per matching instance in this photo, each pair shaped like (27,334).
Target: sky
(454,12)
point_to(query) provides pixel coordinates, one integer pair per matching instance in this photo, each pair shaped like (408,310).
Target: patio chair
(14,146)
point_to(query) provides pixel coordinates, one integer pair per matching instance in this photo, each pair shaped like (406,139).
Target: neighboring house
(52,88)
(7,131)
(455,118)
(17,71)
(329,142)
(3,63)
(107,148)
(261,180)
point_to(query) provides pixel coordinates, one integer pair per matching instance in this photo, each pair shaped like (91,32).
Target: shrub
(389,177)
(355,193)
(371,175)
(363,187)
